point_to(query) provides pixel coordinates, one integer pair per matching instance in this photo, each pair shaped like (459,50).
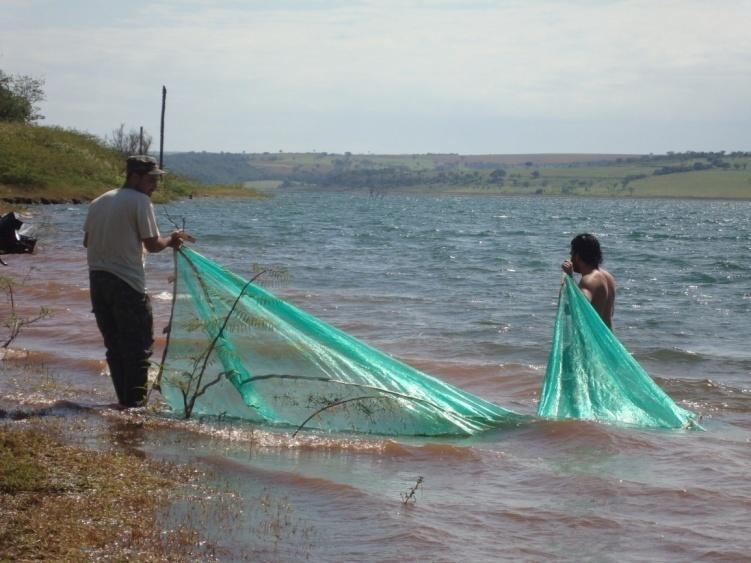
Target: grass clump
(18,471)
(61,502)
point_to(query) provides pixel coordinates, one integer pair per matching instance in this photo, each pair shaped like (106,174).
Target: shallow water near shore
(465,289)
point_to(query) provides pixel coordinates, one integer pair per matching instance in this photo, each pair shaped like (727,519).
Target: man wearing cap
(120,224)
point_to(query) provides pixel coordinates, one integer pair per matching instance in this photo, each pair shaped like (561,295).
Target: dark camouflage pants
(125,320)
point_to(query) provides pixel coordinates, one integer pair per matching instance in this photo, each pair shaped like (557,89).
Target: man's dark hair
(588,248)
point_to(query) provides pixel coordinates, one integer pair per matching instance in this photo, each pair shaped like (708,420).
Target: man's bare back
(598,285)
(599,288)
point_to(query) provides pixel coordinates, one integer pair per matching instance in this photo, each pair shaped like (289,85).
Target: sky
(410,76)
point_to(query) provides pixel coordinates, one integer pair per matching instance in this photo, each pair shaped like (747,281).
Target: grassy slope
(45,161)
(62,165)
(707,183)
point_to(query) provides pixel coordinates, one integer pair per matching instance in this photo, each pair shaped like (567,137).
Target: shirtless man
(597,284)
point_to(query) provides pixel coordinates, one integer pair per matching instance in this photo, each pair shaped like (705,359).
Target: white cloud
(299,71)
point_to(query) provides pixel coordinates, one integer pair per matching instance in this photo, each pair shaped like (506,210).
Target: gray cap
(143,164)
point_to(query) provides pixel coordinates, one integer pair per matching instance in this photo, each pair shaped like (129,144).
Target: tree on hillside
(497,175)
(19,97)
(128,143)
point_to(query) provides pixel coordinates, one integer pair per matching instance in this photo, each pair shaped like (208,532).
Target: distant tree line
(671,156)
(713,161)
(394,177)
(695,167)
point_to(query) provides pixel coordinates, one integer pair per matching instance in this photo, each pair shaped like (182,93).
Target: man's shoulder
(128,197)
(597,279)
(105,196)
(121,200)
(593,279)
(130,193)
(610,279)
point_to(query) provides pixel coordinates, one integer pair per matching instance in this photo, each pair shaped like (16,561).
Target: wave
(694,277)
(730,266)
(559,435)
(648,236)
(707,396)
(442,451)
(288,478)
(697,365)
(670,355)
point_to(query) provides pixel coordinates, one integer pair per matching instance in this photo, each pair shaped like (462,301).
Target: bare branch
(336,404)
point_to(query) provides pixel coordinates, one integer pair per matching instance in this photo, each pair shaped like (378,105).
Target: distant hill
(50,164)
(214,168)
(689,174)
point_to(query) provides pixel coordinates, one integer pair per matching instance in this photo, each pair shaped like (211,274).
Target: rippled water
(464,288)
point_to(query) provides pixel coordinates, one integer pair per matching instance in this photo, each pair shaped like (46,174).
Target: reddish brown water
(546,491)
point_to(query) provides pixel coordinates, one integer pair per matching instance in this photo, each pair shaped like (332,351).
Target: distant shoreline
(713,175)
(429,193)
(8,203)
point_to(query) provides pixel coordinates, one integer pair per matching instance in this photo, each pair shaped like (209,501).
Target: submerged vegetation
(689,174)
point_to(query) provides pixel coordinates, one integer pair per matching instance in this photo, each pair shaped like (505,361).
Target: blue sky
(394,77)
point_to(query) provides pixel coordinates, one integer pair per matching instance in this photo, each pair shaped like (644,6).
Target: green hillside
(690,174)
(50,164)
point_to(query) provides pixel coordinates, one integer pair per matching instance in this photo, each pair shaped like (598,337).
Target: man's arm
(588,286)
(587,292)
(174,240)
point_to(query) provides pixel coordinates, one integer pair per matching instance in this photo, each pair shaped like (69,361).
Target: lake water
(463,288)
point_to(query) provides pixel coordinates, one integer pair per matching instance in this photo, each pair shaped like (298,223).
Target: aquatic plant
(13,321)
(409,497)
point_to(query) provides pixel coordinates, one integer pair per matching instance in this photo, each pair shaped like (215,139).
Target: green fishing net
(591,376)
(236,350)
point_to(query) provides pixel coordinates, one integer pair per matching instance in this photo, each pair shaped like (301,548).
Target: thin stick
(172,220)
(161,130)
(336,404)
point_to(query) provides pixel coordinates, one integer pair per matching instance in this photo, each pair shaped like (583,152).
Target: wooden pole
(140,141)
(161,132)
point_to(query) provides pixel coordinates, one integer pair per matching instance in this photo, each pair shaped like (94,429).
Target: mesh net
(236,350)
(591,376)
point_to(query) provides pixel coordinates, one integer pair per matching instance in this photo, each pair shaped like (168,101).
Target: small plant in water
(14,322)
(409,497)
